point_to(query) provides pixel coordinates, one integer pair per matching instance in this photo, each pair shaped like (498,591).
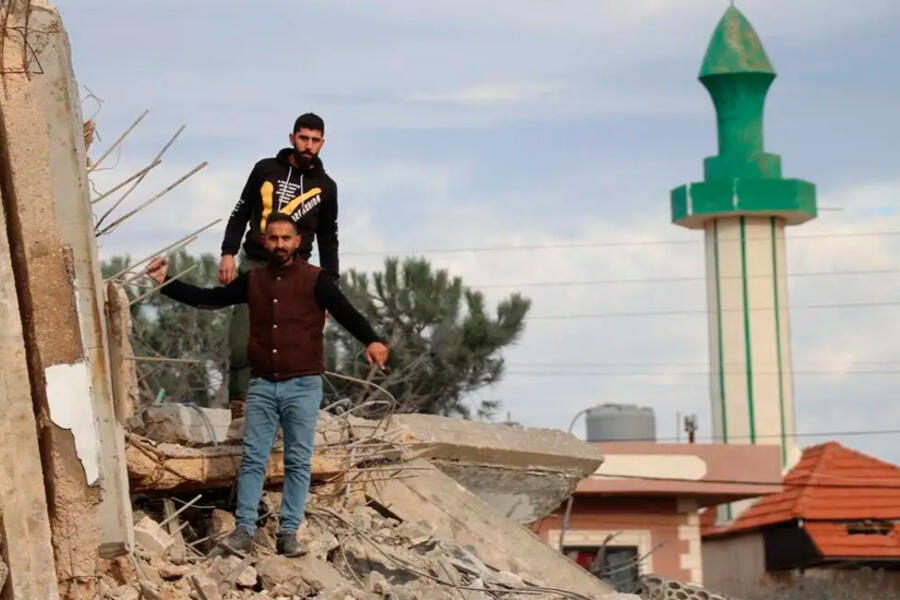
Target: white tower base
(750,360)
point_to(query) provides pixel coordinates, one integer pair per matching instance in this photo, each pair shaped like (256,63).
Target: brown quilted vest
(286,321)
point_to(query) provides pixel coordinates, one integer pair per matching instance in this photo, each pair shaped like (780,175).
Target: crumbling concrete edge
(70,399)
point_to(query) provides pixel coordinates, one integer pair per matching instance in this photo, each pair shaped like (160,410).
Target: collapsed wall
(53,259)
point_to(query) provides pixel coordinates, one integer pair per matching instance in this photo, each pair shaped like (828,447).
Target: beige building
(643,505)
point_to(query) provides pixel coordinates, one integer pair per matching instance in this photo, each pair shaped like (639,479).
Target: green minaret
(743,205)
(743,179)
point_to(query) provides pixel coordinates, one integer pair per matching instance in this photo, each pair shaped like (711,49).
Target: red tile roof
(829,487)
(834,541)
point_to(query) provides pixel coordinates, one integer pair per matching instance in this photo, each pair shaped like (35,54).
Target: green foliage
(444,343)
(164,328)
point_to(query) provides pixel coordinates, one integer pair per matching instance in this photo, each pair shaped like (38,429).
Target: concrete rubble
(353,553)
(183,424)
(524,474)
(413,506)
(655,587)
(389,516)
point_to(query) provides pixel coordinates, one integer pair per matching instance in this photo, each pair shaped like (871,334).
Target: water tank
(621,423)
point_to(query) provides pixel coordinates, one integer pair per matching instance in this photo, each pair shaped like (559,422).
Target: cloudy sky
(530,123)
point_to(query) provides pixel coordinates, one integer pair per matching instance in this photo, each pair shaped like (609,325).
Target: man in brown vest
(287,300)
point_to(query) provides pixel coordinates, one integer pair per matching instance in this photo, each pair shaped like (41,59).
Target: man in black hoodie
(294,183)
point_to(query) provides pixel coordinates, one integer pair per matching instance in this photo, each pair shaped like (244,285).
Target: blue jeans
(294,404)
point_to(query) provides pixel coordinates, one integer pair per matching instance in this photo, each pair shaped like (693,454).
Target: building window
(617,565)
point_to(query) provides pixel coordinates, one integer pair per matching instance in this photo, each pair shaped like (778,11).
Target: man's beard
(304,161)
(279,259)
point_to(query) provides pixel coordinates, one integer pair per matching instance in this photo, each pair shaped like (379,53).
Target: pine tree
(444,343)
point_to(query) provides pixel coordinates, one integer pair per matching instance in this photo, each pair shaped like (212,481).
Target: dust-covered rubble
(354,553)
(387,516)
(656,587)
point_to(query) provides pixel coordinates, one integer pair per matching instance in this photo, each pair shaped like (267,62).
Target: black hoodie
(308,195)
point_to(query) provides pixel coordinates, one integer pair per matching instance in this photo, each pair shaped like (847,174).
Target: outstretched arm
(330,298)
(217,297)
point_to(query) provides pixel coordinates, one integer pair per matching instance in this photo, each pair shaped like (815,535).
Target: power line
(635,242)
(643,280)
(853,486)
(537,373)
(658,313)
(668,363)
(808,434)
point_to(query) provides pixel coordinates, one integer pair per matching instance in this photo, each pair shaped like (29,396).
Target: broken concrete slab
(433,436)
(183,424)
(221,522)
(169,570)
(166,467)
(152,538)
(318,574)
(524,474)
(282,575)
(317,541)
(521,495)
(422,492)
(233,569)
(364,557)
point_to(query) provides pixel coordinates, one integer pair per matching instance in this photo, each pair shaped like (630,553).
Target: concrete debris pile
(353,553)
(391,513)
(655,587)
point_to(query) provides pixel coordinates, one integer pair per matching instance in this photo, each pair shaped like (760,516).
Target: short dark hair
(282,218)
(309,121)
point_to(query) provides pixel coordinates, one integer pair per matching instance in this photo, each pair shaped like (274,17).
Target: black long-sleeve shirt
(308,195)
(327,294)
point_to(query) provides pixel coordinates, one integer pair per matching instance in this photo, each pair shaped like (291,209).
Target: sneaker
(238,541)
(288,545)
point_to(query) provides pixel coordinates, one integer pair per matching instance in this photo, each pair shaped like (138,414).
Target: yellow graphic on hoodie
(265,193)
(296,202)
